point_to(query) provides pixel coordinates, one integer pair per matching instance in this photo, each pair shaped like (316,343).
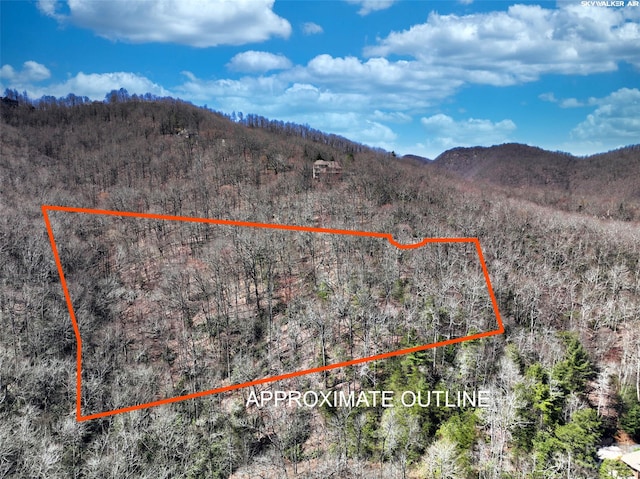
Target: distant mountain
(555,178)
(511,164)
(421,159)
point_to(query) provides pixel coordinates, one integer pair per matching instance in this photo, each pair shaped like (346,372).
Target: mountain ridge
(554,178)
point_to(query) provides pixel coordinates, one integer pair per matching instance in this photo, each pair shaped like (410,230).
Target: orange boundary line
(388,237)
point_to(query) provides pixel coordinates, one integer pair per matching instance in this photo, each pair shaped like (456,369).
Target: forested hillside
(178,309)
(604,185)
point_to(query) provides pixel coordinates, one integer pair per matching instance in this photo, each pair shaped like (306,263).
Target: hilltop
(603,185)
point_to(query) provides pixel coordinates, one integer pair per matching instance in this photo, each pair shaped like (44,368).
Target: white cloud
(327,66)
(94,85)
(378,90)
(188,74)
(310,28)
(273,95)
(48,7)
(571,103)
(248,94)
(393,116)
(198,23)
(276,96)
(391,84)
(549,96)
(368,6)
(615,122)
(375,133)
(563,103)
(31,72)
(444,132)
(7,72)
(253,62)
(519,44)
(354,126)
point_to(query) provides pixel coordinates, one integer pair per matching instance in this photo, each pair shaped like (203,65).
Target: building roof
(632,460)
(330,164)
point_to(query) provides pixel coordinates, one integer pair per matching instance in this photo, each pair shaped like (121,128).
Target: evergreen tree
(575,369)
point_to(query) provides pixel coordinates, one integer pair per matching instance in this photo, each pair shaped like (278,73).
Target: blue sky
(411,76)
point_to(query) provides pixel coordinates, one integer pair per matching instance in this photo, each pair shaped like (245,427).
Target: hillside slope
(175,310)
(603,185)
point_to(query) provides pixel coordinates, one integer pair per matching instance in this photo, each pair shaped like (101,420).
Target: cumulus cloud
(615,122)
(368,6)
(270,95)
(48,7)
(391,116)
(563,103)
(34,71)
(519,44)
(444,132)
(331,67)
(310,28)
(7,72)
(441,55)
(571,103)
(374,134)
(352,125)
(253,62)
(94,85)
(328,84)
(400,84)
(265,94)
(276,96)
(31,72)
(198,23)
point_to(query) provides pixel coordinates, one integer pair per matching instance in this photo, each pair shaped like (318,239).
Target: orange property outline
(388,237)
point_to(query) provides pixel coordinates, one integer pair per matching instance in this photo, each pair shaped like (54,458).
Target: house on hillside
(633,461)
(326,168)
(183,132)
